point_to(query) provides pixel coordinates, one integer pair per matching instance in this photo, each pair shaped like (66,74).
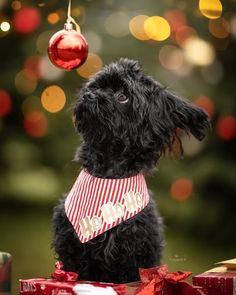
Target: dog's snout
(89,96)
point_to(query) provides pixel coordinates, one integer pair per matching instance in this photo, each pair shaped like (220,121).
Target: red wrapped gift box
(220,280)
(154,281)
(5,273)
(54,287)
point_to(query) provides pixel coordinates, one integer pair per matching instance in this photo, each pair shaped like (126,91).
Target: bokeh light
(184,33)
(219,27)
(211,8)
(171,57)
(226,127)
(117,24)
(233,26)
(94,40)
(47,70)
(191,145)
(5,103)
(77,11)
(157,28)
(176,18)
(199,52)
(205,103)
(53,18)
(35,124)
(32,64)
(26,82)
(53,99)
(5,26)
(16,5)
(27,20)
(92,65)
(181,189)
(136,27)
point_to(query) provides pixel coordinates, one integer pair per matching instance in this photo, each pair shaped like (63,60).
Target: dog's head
(122,110)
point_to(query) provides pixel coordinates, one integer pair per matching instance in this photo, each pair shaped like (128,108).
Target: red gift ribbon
(61,275)
(158,281)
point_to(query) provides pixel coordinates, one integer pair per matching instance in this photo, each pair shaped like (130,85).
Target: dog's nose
(89,96)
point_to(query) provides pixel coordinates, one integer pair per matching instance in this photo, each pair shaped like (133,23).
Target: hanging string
(70,19)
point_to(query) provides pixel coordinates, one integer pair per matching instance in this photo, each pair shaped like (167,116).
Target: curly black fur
(127,120)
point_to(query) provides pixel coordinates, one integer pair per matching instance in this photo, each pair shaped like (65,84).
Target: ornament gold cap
(68,26)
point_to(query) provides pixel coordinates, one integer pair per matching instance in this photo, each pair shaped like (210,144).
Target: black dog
(127,120)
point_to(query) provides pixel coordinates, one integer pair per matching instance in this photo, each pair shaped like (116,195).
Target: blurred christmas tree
(190,48)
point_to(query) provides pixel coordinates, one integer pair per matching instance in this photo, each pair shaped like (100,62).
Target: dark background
(195,195)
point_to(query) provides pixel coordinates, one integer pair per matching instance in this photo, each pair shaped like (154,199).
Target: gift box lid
(224,266)
(229,264)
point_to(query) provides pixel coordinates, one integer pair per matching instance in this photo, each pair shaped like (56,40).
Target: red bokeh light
(205,103)
(226,127)
(27,20)
(183,33)
(181,189)
(176,18)
(5,103)
(32,64)
(35,124)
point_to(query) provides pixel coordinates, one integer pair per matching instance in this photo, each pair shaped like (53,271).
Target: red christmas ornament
(68,49)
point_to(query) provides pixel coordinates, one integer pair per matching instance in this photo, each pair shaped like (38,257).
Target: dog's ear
(168,112)
(187,116)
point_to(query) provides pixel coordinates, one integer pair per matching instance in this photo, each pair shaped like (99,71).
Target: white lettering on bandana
(95,205)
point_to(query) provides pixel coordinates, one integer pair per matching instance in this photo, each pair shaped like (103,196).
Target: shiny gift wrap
(5,273)
(158,281)
(65,283)
(219,280)
(154,281)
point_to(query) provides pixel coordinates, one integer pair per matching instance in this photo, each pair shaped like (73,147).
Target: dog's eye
(122,98)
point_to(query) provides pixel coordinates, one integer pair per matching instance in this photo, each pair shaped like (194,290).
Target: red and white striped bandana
(95,205)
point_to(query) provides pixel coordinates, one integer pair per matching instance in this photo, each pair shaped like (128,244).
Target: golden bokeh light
(171,57)
(53,99)
(136,27)
(53,18)
(92,65)
(157,28)
(5,26)
(199,52)
(211,9)
(219,27)
(26,82)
